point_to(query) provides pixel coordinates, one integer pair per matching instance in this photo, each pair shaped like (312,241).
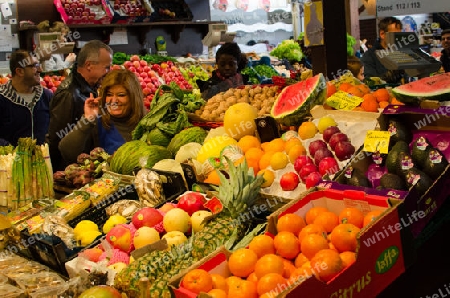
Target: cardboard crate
(382,255)
(436,124)
(103,14)
(119,17)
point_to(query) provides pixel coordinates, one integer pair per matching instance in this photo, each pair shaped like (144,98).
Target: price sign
(342,100)
(387,8)
(377,141)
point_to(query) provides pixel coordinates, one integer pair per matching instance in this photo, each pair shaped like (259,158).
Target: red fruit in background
(321,154)
(135,58)
(344,150)
(301,161)
(289,181)
(306,170)
(146,216)
(316,145)
(312,179)
(127,64)
(337,137)
(136,64)
(328,165)
(329,131)
(191,202)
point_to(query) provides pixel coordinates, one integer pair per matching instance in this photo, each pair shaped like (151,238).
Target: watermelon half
(295,101)
(436,87)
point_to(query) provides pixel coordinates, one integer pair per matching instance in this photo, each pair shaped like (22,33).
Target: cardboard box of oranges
(329,243)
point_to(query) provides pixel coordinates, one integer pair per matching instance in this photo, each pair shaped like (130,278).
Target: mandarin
(269,263)
(383,104)
(352,215)
(242,289)
(331,89)
(300,275)
(312,244)
(279,160)
(270,282)
(345,86)
(369,105)
(252,277)
(219,282)
(307,130)
(348,258)
(295,152)
(286,245)
(264,162)
(381,94)
(290,222)
(356,91)
(262,245)
(289,267)
(197,280)
(300,260)
(248,141)
(242,262)
(217,293)
(326,264)
(344,237)
(276,145)
(312,213)
(291,143)
(371,216)
(328,220)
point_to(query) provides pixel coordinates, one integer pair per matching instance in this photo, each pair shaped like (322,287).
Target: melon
(295,101)
(436,87)
(239,120)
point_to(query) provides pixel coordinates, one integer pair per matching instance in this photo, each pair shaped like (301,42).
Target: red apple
(321,154)
(312,179)
(289,181)
(191,202)
(301,161)
(328,165)
(316,145)
(337,137)
(329,131)
(344,150)
(146,216)
(306,170)
(135,58)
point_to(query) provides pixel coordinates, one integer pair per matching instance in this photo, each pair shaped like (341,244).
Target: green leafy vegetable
(288,49)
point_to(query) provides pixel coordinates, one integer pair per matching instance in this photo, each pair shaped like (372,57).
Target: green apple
(197,219)
(177,219)
(174,238)
(144,236)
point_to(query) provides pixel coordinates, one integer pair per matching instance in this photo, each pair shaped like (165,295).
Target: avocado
(392,181)
(399,132)
(403,163)
(357,178)
(420,148)
(418,179)
(391,159)
(435,163)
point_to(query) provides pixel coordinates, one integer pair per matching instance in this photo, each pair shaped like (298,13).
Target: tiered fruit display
(52,81)
(320,244)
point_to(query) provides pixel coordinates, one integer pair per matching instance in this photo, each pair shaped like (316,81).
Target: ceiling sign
(387,8)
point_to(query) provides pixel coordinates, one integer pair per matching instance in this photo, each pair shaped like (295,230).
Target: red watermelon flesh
(297,99)
(436,87)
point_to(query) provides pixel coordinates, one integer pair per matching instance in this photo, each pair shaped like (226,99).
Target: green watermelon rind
(316,96)
(406,93)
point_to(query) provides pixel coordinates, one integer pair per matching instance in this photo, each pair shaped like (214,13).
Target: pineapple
(238,193)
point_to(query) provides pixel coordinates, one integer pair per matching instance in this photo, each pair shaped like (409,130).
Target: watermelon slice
(294,103)
(436,87)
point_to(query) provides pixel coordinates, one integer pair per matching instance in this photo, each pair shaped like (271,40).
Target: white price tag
(6,10)
(406,7)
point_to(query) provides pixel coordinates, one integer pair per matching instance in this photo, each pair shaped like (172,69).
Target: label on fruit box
(342,100)
(377,141)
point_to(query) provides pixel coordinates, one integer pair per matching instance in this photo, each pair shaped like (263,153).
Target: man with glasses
(93,62)
(445,54)
(24,103)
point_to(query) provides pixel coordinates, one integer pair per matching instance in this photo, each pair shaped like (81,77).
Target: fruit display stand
(433,124)
(97,12)
(379,259)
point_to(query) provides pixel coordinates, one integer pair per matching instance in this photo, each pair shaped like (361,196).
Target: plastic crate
(263,61)
(179,7)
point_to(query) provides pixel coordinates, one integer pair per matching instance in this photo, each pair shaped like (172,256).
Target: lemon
(88,237)
(278,161)
(269,177)
(84,226)
(307,130)
(325,122)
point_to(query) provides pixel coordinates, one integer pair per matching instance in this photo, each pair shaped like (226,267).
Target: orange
(383,104)
(356,91)
(252,277)
(311,229)
(231,281)
(254,164)
(381,95)
(242,289)
(371,216)
(262,245)
(264,162)
(254,154)
(307,130)
(290,222)
(326,264)
(312,213)
(348,258)
(312,244)
(269,263)
(286,245)
(212,178)
(328,220)
(345,86)
(352,215)
(288,268)
(394,101)
(276,145)
(300,260)
(331,246)
(264,146)
(331,89)
(270,282)
(291,143)
(217,293)
(247,142)
(295,152)
(300,275)
(197,280)
(242,262)
(369,103)
(364,88)
(344,237)
(219,282)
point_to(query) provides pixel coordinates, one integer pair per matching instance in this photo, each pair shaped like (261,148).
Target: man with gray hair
(67,106)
